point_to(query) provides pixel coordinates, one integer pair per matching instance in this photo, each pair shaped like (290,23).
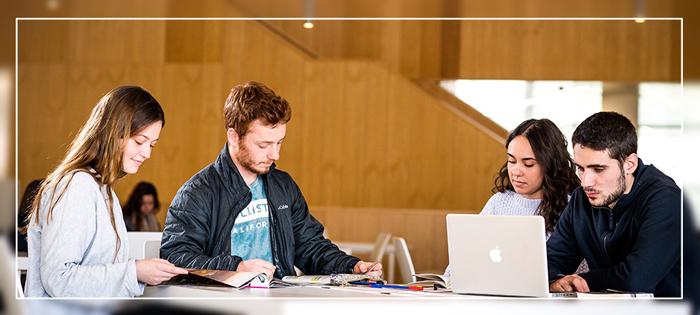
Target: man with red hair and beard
(625,219)
(241,213)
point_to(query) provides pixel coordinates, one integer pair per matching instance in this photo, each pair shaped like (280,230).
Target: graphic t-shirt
(250,236)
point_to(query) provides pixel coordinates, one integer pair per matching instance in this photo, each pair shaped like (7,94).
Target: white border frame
(18,19)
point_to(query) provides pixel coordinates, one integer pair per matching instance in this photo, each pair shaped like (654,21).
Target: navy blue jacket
(633,247)
(198,226)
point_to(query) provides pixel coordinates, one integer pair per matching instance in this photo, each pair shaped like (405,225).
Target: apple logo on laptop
(495,255)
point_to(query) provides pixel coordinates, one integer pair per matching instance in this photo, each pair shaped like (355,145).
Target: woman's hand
(154,271)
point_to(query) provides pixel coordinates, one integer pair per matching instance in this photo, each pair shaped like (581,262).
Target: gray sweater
(510,203)
(73,255)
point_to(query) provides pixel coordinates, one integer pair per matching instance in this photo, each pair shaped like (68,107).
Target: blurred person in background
(76,234)
(141,208)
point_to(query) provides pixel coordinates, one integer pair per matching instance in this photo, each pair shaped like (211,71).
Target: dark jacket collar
(637,185)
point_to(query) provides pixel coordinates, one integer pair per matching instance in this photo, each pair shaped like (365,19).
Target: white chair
(403,259)
(151,249)
(380,244)
(138,242)
(22,266)
(18,285)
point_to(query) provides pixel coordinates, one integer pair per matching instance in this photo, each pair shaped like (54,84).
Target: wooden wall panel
(55,100)
(562,8)
(532,50)
(539,50)
(193,42)
(570,50)
(690,11)
(361,135)
(337,41)
(411,48)
(384,143)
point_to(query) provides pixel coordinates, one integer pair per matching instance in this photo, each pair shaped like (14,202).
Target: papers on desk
(240,279)
(332,279)
(430,280)
(236,279)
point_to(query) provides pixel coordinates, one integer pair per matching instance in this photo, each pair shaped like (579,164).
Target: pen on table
(371,267)
(396,286)
(362,282)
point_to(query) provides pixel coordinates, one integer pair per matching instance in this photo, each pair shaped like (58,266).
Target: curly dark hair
(132,208)
(559,172)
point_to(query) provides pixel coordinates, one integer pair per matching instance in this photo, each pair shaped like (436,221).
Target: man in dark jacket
(240,213)
(625,220)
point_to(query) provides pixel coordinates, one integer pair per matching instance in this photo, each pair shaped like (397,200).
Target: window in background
(509,102)
(662,141)
(690,150)
(659,127)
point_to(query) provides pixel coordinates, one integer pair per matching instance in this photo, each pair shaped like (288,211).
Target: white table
(185,291)
(347,300)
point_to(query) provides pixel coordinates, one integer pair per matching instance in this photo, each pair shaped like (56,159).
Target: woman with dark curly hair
(141,208)
(538,175)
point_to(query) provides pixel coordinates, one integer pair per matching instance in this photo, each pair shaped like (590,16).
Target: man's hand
(369,268)
(257,265)
(569,283)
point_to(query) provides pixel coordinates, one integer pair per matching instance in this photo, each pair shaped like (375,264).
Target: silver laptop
(497,255)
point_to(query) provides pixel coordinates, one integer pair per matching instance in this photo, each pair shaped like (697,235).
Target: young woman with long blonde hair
(76,233)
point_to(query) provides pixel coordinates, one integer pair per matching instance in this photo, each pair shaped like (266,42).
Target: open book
(236,279)
(431,280)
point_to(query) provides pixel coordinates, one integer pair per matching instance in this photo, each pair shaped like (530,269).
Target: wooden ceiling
(688,9)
